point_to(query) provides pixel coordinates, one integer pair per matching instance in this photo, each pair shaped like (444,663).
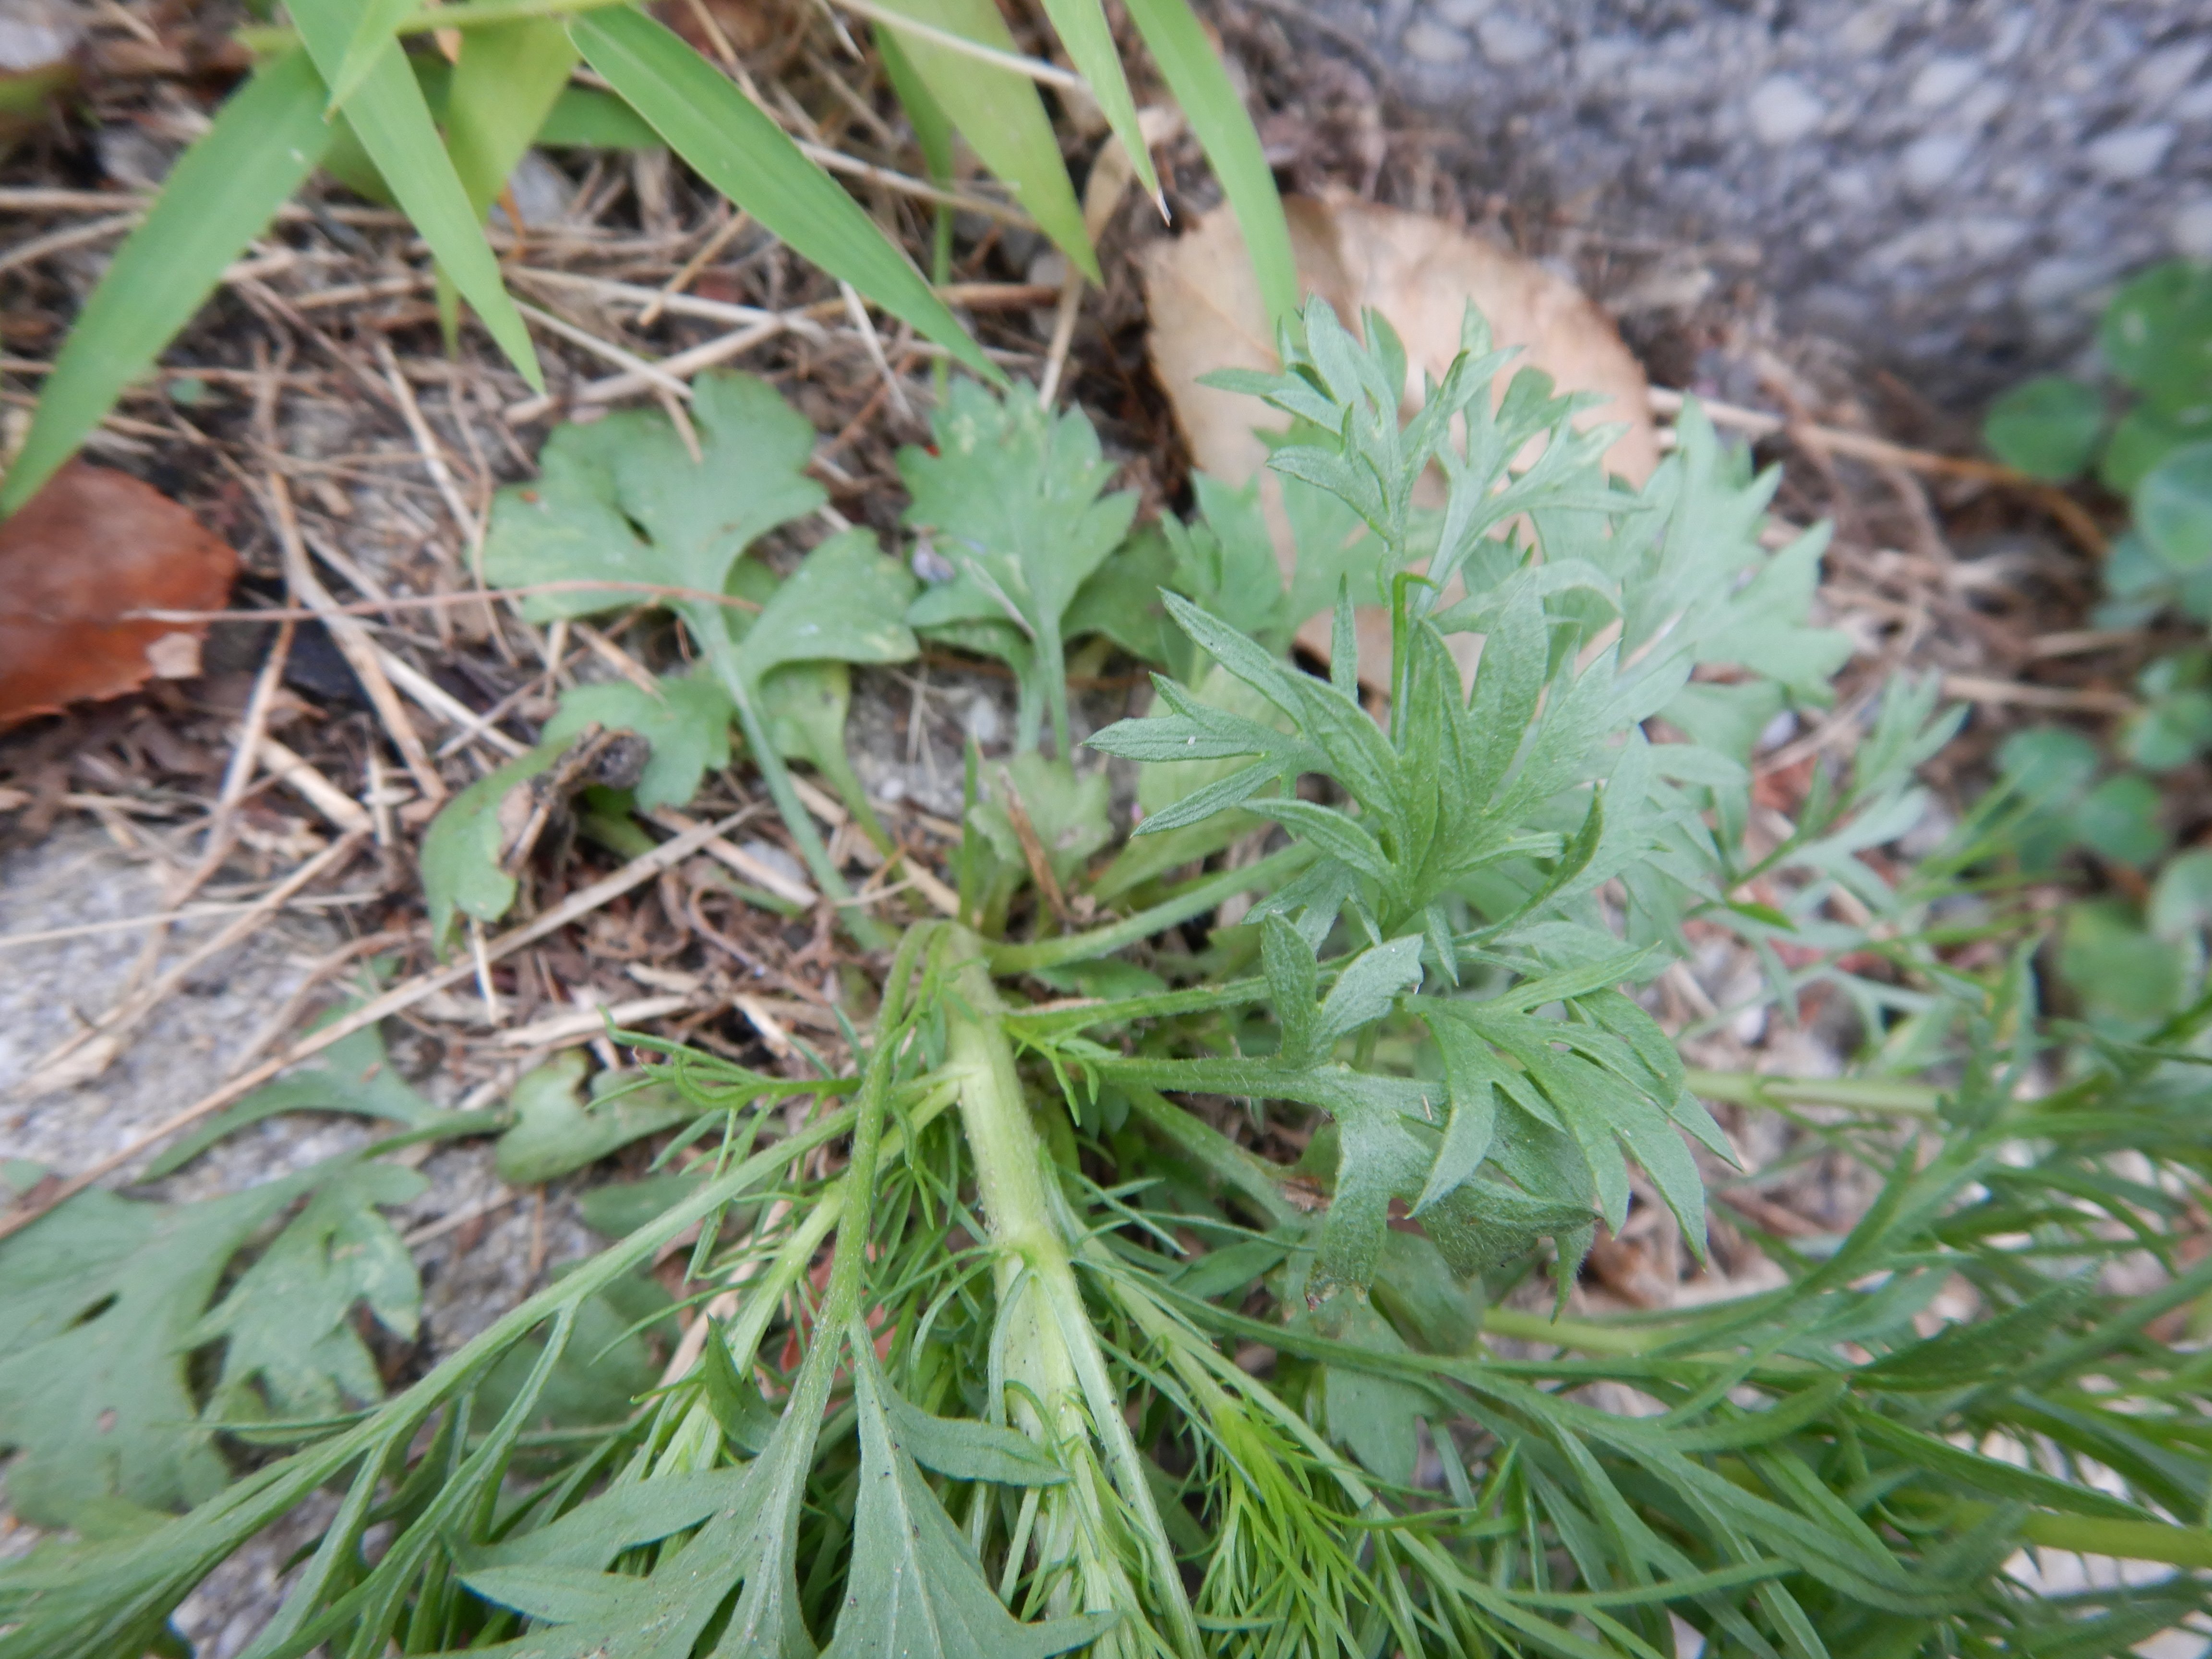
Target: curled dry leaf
(1421,274)
(90,547)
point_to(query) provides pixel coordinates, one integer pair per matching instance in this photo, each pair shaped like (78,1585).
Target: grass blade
(746,156)
(502,90)
(503,87)
(999,113)
(389,115)
(223,191)
(379,21)
(1193,73)
(1082,27)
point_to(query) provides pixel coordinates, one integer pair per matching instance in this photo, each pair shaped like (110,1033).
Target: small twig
(709,251)
(562,1030)
(351,637)
(60,241)
(639,870)
(1864,446)
(758,871)
(426,443)
(1975,688)
(2079,642)
(205,911)
(434,601)
(648,373)
(1033,850)
(341,809)
(1063,336)
(865,326)
(434,699)
(459,1218)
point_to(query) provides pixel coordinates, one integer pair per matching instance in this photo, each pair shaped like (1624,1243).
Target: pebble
(1783,110)
(2190,229)
(1942,81)
(2130,153)
(1509,41)
(1930,163)
(1433,43)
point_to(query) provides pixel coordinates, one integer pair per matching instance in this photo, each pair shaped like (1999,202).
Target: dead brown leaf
(92,546)
(1419,272)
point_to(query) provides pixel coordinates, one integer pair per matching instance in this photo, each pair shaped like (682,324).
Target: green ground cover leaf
(621,498)
(355,1075)
(688,724)
(1011,501)
(555,1132)
(464,849)
(287,1324)
(2048,427)
(102,1304)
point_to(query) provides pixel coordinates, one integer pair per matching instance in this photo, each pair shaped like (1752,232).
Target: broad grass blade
(223,191)
(1216,115)
(392,119)
(932,127)
(1083,29)
(999,113)
(502,90)
(746,156)
(504,87)
(379,21)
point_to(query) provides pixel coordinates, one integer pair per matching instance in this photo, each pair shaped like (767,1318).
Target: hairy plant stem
(1063,1394)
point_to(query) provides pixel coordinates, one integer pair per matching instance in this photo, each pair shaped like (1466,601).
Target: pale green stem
(1051,1344)
(715,635)
(1193,901)
(1857,1094)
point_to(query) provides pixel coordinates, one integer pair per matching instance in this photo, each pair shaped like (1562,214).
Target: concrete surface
(1948,185)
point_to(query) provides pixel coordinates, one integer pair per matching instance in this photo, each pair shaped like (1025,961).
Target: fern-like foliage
(1510,852)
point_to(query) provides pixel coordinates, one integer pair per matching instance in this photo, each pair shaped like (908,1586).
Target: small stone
(777,860)
(1428,42)
(2130,153)
(1783,110)
(1942,81)
(2054,281)
(1930,163)
(981,720)
(2165,71)
(2189,230)
(1508,40)
(1868,30)
(1987,236)
(1462,14)
(1850,187)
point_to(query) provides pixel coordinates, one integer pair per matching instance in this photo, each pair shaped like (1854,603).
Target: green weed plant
(2130,965)
(1048,1354)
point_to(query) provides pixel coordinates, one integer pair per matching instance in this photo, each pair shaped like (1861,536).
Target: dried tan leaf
(92,546)
(1419,272)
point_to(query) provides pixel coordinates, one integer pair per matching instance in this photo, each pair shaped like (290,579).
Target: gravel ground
(1949,185)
